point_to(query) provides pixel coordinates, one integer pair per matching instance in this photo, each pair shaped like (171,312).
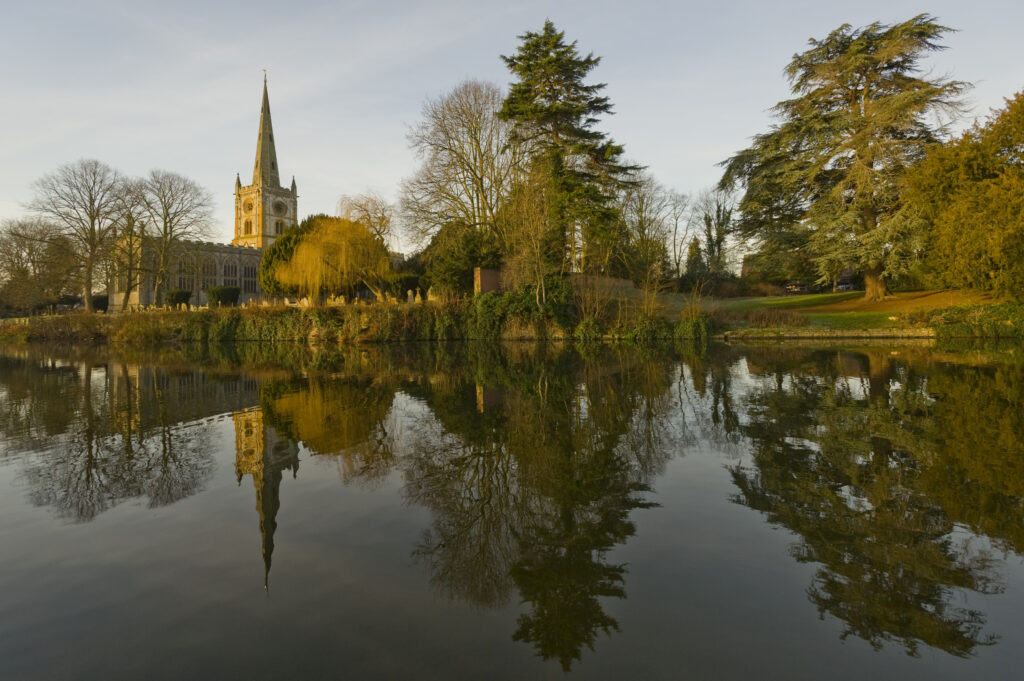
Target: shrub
(694,324)
(224,328)
(588,330)
(99,303)
(178,297)
(643,329)
(1005,320)
(223,296)
(486,315)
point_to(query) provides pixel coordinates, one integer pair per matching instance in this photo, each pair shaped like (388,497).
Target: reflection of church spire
(260,454)
(268,501)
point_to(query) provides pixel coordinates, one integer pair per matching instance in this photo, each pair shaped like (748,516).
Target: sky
(178,85)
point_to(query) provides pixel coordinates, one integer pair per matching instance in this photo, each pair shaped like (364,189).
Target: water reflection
(871,461)
(93,435)
(532,469)
(900,475)
(264,456)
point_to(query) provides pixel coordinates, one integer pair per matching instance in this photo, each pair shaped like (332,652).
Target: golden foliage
(336,256)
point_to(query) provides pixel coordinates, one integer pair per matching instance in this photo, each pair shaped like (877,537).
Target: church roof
(265,172)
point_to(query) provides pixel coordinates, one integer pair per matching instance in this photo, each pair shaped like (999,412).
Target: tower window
(248,227)
(278,227)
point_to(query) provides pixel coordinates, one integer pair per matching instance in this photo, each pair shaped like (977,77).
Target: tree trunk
(875,288)
(87,285)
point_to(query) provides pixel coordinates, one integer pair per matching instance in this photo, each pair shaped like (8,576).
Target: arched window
(278,227)
(248,226)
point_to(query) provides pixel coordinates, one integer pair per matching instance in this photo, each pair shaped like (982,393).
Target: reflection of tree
(336,416)
(532,493)
(850,465)
(93,437)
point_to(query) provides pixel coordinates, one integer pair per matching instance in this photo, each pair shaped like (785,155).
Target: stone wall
(195,266)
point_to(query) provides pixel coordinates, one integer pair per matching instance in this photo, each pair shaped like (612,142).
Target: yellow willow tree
(335,257)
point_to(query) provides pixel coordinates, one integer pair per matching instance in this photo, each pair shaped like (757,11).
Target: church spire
(265,172)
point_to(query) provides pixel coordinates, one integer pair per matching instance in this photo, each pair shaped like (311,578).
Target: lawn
(847,310)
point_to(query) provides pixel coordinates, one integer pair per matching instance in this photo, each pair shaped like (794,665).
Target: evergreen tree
(834,163)
(695,264)
(971,192)
(554,112)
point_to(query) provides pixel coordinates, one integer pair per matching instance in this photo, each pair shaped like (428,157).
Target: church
(264,210)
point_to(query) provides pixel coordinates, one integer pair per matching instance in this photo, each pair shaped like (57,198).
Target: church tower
(264,209)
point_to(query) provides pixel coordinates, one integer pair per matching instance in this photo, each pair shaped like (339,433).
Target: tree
(335,256)
(279,253)
(453,253)
(834,163)
(554,112)
(81,199)
(37,264)
(179,210)
(678,207)
(715,210)
(132,222)
(469,163)
(696,264)
(371,209)
(971,192)
(532,254)
(646,208)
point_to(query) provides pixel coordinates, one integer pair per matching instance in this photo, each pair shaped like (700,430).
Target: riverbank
(504,317)
(486,317)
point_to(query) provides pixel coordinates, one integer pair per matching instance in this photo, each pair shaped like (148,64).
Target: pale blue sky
(177,85)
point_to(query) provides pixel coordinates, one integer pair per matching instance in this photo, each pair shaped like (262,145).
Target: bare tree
(37,263)
(81,199)
(372,210)
(469,163)
(646,209)
(178,210)
(713,210)
(681,226)
(132,229)
(524,220)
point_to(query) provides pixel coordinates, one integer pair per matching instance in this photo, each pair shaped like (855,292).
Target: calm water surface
(519,512)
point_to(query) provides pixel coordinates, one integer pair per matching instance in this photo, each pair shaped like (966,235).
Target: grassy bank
(917,314)
(490,317)
(495,316)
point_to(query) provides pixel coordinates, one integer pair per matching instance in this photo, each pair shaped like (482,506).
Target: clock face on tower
(279,208)
(248,206)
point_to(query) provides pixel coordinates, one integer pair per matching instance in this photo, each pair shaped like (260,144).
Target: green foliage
(178,297)
(1005,320)
(588,330)
(487,315)
(971,192)
(696,264)
(643,330)
(830,171)
(224,328)
(554,110)
(694,325)
(223,296)
(453,253)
